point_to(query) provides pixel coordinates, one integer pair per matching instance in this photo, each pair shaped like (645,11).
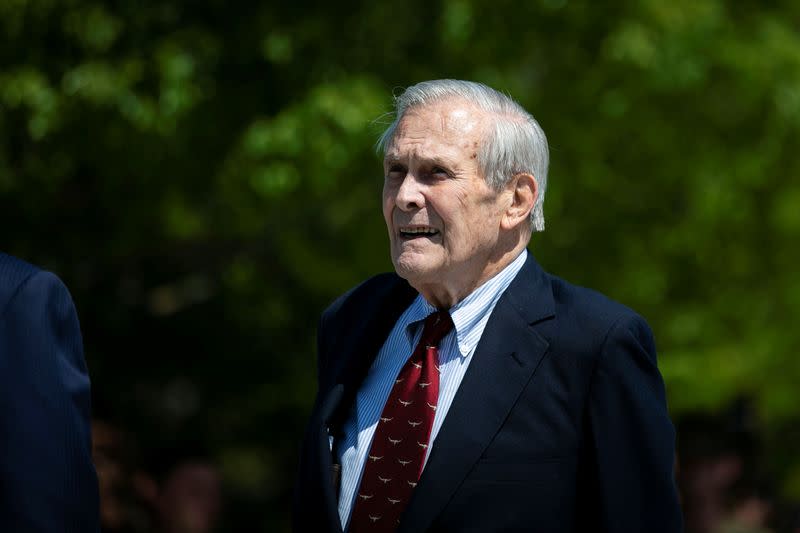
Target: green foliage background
(202,176)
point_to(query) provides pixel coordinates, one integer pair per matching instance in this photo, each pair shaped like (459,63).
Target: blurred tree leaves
(203,178)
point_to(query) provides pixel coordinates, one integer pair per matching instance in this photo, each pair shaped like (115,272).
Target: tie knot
(437,325)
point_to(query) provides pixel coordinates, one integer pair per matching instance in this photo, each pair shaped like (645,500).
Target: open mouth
(418,232)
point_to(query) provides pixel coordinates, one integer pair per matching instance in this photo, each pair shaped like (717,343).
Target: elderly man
(471,390)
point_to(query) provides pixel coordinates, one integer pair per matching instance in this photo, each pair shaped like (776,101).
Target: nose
(409,195)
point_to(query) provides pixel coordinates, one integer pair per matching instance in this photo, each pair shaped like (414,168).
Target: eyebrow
(391,159)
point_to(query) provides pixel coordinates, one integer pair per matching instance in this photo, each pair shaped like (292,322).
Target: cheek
(387,207)
(476,230)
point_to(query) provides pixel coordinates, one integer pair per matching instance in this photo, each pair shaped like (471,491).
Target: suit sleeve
(633,438)
(47,478)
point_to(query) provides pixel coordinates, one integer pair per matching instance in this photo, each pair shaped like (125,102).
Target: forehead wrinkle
(418,155)
(448,132)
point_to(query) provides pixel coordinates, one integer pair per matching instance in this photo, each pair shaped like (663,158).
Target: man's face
(443,218)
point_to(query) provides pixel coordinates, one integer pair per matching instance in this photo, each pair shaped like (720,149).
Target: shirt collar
(470,314)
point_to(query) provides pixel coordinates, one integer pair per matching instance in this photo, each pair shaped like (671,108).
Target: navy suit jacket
(47,479)
(560,423)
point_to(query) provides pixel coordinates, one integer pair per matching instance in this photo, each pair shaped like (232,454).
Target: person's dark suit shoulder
(362,294)
(13,274)
(335,323)
(591,315)
(47,479)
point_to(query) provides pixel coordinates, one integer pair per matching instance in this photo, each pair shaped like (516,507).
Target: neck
(446,294)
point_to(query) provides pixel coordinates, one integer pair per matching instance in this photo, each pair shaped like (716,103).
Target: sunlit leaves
(29,89)
(310,142)
(277,47)
(93,26)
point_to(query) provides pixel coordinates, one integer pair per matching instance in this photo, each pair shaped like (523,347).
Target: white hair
(516,144)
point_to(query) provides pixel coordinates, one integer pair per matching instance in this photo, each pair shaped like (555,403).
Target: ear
(523,190)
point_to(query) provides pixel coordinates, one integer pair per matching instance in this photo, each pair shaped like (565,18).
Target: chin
(412,269)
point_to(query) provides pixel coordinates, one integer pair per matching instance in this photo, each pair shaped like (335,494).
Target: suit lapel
(506,357)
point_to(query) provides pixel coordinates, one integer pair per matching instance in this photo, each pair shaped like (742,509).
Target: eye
(395,170)
(439,172)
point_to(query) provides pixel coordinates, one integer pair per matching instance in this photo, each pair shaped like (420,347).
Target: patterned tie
(395,460)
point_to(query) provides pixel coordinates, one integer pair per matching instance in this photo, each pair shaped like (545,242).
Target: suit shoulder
(20,279)
(370,290)
(14,273)
(588,310)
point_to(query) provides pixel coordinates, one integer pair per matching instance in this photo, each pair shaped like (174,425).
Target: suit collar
(531,294)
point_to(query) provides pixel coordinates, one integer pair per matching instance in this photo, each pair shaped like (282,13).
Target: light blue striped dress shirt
(470,316)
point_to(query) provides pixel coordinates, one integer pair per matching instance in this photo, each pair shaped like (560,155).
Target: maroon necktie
(394,462)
